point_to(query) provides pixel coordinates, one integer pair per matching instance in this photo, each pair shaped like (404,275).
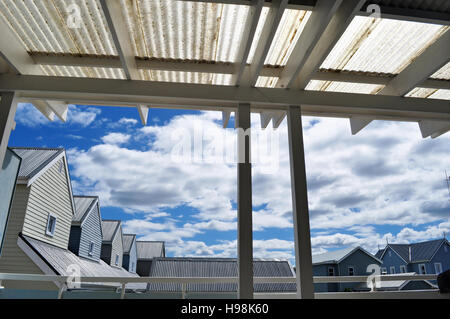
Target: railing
(62,281)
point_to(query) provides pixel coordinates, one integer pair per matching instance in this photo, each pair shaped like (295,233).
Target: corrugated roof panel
(430,93)
(186,77)
(82,204)
(266,81)
(185,29)
(34,159)
(344,87)
(128,240)
(109,228)
(257,36)
(381,45)
(149,249)
(84,72)
(286,37)
(443,73)
(45,26)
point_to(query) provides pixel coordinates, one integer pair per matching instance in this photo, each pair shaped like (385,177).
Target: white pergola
(271,58)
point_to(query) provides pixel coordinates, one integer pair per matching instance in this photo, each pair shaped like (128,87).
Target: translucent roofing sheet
(344,87)
(443,73)
(186,77)
(381,45)
(430,93)
(83,72)
(266,81)
(185,29)
(52,26)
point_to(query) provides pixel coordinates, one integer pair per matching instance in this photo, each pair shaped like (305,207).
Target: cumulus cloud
(385,175)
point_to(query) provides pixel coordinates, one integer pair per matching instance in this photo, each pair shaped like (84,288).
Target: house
(42,209)
(218,267)
(146,252)
(112,243)
(429,257)
(86,231)
(129,261)
(343,262)
(9,171)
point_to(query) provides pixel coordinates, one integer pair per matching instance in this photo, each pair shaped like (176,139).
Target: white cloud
(385,175)
(28,115)
(116,138)
(128,121)
(81,115)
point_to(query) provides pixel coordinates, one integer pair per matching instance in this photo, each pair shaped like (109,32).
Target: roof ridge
(38,148)
(86,196)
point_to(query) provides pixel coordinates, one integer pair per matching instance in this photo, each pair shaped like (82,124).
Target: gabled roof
(110,228)
(335,257)
(379,253)
(150,249)
(393,284)
(423,251)
(83,206)
(36,160)
(219,267)
(128,240)
(59,261)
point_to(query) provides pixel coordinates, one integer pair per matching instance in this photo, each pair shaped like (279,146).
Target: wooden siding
(13,259)
(49,194)
(117,248)
(91,231)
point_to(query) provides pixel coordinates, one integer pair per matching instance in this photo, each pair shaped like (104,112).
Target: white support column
(143,113)
(303,259)
(244,204)
(8,107)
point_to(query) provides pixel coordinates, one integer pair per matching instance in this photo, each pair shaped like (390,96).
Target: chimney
(409,253)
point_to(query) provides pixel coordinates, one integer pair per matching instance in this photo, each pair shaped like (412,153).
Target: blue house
(129,261)
(343,262)
(86,231)
(429,257)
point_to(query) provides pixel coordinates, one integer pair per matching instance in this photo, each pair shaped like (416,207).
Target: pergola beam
(430,61)
(8,107)
(433,129)
(334,30)
(127,92)
(317,23)
(248,37)
(15,54)
(267,34)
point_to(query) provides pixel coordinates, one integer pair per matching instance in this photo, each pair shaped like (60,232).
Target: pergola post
(244,204)
(8,107)
(303,259)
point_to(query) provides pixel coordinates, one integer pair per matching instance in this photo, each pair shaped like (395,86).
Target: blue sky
(386,183)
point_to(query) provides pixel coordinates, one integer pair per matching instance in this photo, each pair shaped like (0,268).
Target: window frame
(353,270)
(51,233)
(116,262)
(404,268)
(331,268)
(383,270)
(392,269)
(424,268)
(440,266)
(91,248)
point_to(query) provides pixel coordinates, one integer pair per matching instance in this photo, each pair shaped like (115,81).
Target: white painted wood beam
(357,123)
(143,113)
(8,108)
(334,30)
(225,118)
(318,21)
(265,119)
(267,34)
(433,129)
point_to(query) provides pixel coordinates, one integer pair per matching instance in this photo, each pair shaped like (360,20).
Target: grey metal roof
(392,284)
(334,257)
(423,251)
(128,242)
(379,253)
(150,249)
(61,259)
(35,159)
(218,267)
(109,228)
(83,205)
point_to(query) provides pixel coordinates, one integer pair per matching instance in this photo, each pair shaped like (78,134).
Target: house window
(383,270)
(390,254)
(403,269)
(330,271)
(351,271)
(422,269)
(51,225)
(61,167)
(132,266)
(117,260)
(91,248)
(392,269)
(438,268)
